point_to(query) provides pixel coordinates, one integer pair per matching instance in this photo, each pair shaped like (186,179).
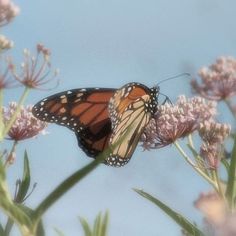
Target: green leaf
(86,228)
(8,227)
(1,230)
(25,182)
(11,209)
(231,184)
(226,164)
(97,225)
(178,218)
(59,232)
(104,225)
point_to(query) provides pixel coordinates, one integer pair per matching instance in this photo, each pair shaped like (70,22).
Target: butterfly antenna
(167,99)
(174,77)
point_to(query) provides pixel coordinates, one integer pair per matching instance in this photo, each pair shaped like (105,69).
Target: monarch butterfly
(100,116)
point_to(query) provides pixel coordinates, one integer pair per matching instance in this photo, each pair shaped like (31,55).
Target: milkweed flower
(8,10)
(213,135)
(176,121)
(212,132)
(219,220)
(213,208)
(25,126)
(35,69)
(218,81)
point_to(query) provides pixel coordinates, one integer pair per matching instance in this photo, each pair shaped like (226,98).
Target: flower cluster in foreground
(218,218)
(176,121)
(8,10)
(25,126)
(218,80)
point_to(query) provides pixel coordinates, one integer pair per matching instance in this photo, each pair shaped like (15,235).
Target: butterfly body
(101,116)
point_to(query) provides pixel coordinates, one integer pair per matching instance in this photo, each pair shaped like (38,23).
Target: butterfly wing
(130,109)
(84,111)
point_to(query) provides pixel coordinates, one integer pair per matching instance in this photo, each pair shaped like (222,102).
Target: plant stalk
(13,118)
(185,156)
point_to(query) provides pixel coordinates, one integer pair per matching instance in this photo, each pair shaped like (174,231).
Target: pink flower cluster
(175,121)
(218,80)
(219,220)
(26,125)
(8,10)
(213,135)
(213,132)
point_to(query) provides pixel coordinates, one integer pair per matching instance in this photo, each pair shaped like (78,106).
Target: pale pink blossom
(8,10)
(213,135)
(211,154)
(176,121)
(25,126)
(213,208)
(218,81)
(219,220)
(213,132)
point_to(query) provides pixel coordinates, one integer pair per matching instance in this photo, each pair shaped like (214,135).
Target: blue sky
(108,43)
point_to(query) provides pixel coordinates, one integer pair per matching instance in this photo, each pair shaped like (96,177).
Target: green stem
(198,159)
(66,185)
(190,141)
(9,158)
(13,118)
(231,184)
(1,117)
(8,227)
(185,156)
(217,179)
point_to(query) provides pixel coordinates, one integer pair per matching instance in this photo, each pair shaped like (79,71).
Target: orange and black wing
(84,111)
(130,109)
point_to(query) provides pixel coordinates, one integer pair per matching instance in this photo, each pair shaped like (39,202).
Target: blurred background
(108,43)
